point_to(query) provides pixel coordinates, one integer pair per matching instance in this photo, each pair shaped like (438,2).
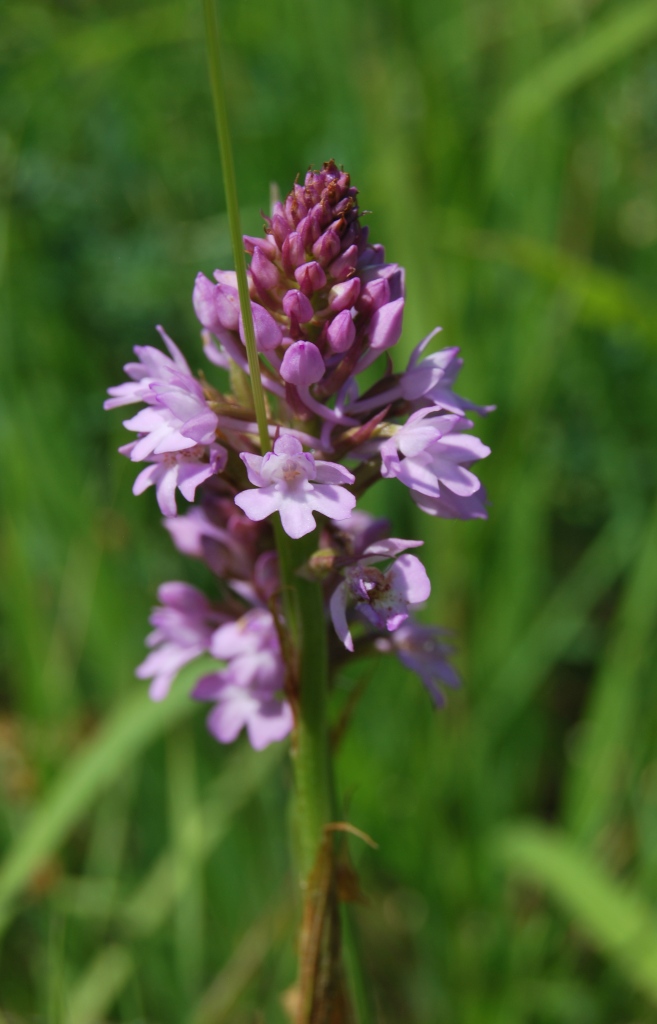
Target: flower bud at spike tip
(341,332)
(377,292)
(386,325)
(268,333)
(372,255)
(293,252)
(263,271)
(295,304)
(268,246)
(310,277)
(327,247)
(345,264)
(343,296)
(302,364)
(280,228)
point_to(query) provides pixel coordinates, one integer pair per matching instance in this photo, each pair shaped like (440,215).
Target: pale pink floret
(435,457)
(249,690)
(295,484)
(184,624)
(153,367)
(182,471)
(181,419)
(382,598)
(191,532)
(421,649)
(432,381)
(176,414)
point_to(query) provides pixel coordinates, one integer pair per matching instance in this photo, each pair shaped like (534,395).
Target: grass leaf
(134,724)
(616,919)
(623,30)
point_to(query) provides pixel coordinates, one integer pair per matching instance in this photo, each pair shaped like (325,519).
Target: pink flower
(248,692)
(436,457)
(152,367)
(431,380)
(183,470)
(453,506)
(421,649)
(284,483)
(383,598)
(184,625)
(176,415)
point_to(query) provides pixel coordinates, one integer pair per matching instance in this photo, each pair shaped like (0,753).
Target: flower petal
(338,609)
(259,502)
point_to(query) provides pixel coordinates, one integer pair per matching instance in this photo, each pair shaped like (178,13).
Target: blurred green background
(507,151)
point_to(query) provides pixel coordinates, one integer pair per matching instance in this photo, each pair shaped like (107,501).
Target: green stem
(312,766)
(232,207)
(353,966)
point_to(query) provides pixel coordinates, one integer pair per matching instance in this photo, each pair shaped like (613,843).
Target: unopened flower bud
(295,304)
(302,364)
(376,293)
(310,277)
(293,252)
(342,296)
(264,272)
(320,564)
(372,256)
(295,204)
(267,244)
(309,231)
(280,228)
(203,301)
(386,325)
(327,246)
(397,283)
(227,302)
(268,333)
(341,332)
(344,266)
(216,305)
(352,235)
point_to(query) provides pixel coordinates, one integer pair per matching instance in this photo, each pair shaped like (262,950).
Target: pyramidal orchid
(324,303)
(299,578)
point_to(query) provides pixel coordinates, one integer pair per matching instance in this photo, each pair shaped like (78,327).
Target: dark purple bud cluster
(324,301)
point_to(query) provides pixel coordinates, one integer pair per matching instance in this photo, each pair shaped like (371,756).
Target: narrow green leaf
(201,830)
(601,296)
(607,733)
(101,986)
(135,723)
(603,43)
(616,919)
(558,624)
(217,1003)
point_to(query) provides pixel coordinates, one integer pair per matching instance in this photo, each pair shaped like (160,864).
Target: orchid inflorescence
(325,305)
